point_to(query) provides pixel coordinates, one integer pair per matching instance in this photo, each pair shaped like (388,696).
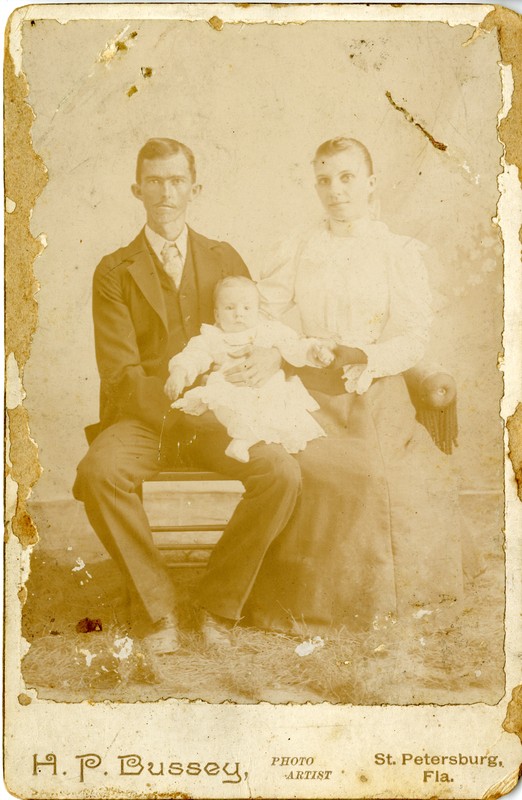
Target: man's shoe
(215,630)
(163,640)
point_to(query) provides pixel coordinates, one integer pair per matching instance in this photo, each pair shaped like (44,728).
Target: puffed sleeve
(277,282)
(403,341)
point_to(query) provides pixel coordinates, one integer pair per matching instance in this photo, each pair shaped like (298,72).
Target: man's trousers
(108,483)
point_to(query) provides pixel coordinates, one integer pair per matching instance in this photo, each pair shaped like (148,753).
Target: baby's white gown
(277,412)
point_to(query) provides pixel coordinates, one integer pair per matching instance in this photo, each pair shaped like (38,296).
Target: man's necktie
(172,262)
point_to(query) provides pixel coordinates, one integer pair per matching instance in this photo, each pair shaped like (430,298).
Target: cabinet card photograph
(263,365)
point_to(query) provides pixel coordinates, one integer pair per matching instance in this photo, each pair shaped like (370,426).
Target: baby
(278,411)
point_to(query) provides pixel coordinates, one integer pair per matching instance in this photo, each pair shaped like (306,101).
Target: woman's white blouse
(368,290)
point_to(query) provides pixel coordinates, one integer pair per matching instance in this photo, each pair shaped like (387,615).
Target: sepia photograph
(263,318)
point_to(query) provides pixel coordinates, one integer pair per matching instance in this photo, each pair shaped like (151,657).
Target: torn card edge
(26,177)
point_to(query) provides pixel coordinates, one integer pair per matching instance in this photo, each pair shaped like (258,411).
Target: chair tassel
(442,425)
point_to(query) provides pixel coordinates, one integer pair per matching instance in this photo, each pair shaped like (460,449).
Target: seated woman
(376,531)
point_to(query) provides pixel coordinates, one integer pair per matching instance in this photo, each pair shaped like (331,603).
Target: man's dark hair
(163,148)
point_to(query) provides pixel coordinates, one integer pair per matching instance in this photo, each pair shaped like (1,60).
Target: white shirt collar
(157,242)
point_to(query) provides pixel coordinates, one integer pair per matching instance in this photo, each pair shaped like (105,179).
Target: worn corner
(508,25)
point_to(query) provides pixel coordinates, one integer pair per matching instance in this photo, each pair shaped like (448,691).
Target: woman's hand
(438,390)
(255,366)
(175,384)
(345,356)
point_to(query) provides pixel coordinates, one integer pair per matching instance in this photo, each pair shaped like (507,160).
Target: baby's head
(236,304)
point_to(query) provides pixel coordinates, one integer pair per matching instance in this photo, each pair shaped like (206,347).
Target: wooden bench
(188,510)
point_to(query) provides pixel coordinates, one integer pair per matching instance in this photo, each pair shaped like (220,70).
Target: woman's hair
(340,143)
(163,148)
(233,280)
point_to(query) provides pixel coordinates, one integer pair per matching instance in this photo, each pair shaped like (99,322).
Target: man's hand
(255,366)
(176,382)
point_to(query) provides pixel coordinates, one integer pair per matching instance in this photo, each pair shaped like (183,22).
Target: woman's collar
(358,227)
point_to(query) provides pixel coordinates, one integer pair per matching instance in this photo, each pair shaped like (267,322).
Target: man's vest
(181,304)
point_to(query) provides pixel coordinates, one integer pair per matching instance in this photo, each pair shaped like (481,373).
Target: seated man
(149,299)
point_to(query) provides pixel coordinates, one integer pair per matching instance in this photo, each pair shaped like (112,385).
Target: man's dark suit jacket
(133,345)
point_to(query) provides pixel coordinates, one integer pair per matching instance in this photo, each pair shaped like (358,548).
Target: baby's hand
(175,383)
(321,354)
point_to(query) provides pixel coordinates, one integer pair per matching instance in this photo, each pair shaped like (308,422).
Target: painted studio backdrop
(253,102)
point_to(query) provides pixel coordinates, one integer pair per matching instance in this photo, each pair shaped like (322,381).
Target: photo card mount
(420,703)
